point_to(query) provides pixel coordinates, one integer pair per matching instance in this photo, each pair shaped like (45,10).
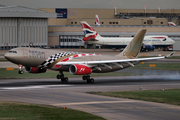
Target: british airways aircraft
(149,43)
(97,21)
(36,60)
(171,24)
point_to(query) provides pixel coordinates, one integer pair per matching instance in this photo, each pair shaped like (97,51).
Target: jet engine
(35,70)
(77,69)
(148,48)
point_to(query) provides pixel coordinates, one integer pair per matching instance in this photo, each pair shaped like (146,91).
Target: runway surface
(73,95)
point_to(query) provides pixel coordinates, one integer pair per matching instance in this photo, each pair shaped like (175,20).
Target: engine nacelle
(77,69)
(35,70)
(149,47)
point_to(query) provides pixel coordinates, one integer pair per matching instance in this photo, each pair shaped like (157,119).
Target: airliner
(149,43)
(36,60)
(171,24)
(97,21)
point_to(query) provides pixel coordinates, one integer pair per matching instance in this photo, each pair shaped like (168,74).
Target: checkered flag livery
(54,57)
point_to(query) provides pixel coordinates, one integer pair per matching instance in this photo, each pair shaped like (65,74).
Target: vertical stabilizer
(171,24)
(89,32)
(133,48)
(97,21)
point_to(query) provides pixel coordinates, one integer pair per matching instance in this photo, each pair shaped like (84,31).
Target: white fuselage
(123,41)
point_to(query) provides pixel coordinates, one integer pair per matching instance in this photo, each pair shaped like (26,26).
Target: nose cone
(7,56)
(11,57)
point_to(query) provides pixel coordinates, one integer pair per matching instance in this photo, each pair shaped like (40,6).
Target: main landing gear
(20,69)
(65,79)
(61,76)
(87,77)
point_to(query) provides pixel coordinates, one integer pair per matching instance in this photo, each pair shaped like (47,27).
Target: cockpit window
(12,51)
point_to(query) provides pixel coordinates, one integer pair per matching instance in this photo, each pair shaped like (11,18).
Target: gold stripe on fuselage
(58,60)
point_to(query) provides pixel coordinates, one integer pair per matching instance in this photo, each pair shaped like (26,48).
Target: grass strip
(22,111)
(159,66)
(169,96)
(3,60)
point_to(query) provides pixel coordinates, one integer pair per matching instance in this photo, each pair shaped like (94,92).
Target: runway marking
(94,102)
(129,108)
(34,87)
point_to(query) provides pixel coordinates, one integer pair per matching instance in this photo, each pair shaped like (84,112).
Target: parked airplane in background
(171,24)
(149,43)
(37,60)
(97,21)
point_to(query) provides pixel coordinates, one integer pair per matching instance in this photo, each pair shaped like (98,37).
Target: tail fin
(171,24)
(133,48)
(97,21)
(89,32)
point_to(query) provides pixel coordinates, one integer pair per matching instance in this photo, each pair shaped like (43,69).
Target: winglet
(133,48)
(170,55)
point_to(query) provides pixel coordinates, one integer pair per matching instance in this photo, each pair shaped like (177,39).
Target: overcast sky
(120,4)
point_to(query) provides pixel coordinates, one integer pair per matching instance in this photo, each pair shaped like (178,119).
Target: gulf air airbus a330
(36,60)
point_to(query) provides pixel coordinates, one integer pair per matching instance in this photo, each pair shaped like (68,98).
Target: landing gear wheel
(84,77)
(88,80)
(92,80)
(88,77)
(62,80)
(65,79)
(58,77)
(20,72)
(61,76)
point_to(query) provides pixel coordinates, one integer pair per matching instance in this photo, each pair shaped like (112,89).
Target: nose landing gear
(20,69)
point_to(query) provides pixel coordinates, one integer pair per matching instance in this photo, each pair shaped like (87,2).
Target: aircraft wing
(128,61)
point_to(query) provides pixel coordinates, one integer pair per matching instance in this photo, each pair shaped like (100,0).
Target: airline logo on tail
(89,32)
(97,21)
(171,24)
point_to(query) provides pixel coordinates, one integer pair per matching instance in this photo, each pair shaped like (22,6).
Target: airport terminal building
(65,30)
(60,27)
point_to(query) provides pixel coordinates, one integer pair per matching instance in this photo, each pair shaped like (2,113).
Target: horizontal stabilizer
(169,55)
